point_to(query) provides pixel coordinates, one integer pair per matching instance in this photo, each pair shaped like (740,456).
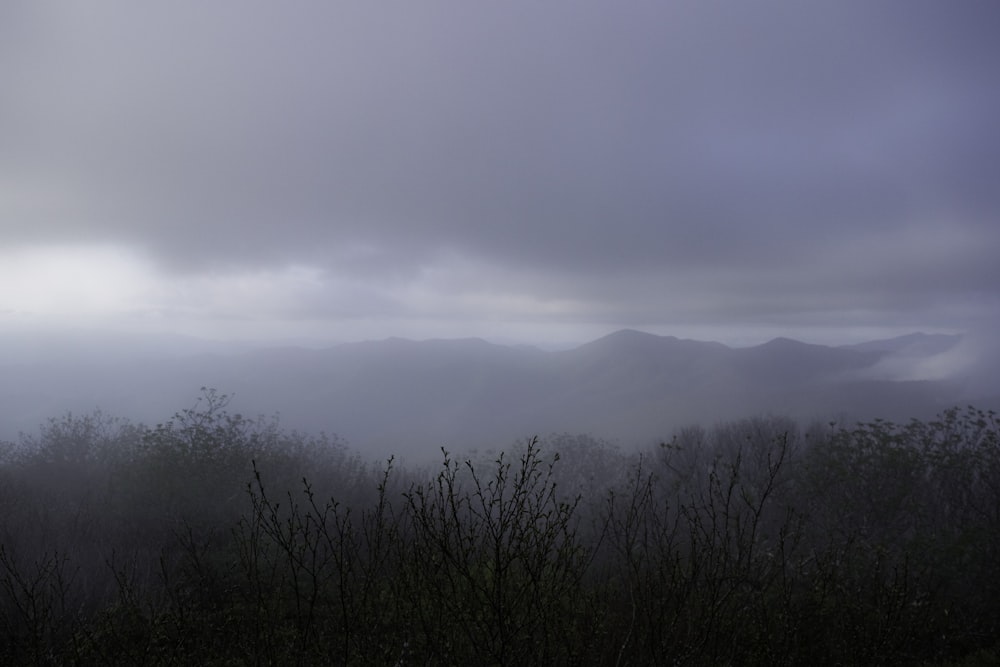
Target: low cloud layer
(532,170)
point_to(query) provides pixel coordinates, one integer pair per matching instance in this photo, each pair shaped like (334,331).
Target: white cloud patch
(72,281)
(113,286)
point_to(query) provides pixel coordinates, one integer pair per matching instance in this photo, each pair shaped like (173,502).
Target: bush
(216,539)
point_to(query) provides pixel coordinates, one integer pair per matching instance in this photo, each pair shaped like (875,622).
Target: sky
(538,172)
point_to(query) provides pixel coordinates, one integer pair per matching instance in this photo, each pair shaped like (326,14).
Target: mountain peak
(629,335)
(783,341)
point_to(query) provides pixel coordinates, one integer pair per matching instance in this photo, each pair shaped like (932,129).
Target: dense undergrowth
(214,539)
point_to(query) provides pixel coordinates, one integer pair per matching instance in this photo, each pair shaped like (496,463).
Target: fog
(499,333)
(409,398)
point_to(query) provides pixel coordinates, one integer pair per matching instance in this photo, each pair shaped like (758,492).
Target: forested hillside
(212,539)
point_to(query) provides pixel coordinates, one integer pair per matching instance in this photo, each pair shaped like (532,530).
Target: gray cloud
(645,161)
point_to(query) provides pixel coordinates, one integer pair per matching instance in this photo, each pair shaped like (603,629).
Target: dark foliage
(217,539)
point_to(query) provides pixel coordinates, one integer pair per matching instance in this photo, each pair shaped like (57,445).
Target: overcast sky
(531,171)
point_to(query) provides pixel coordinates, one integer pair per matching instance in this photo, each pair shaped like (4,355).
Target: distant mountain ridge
(399,395)
(915,343)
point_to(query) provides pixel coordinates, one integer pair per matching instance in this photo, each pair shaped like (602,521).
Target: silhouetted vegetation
(213,538)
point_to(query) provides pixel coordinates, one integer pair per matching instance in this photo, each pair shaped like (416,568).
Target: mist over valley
(410,398)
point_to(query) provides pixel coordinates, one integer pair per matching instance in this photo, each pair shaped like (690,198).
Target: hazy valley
(411,398)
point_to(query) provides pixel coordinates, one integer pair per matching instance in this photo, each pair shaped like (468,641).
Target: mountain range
(412,397)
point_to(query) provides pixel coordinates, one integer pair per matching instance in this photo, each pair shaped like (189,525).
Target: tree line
(213,538)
